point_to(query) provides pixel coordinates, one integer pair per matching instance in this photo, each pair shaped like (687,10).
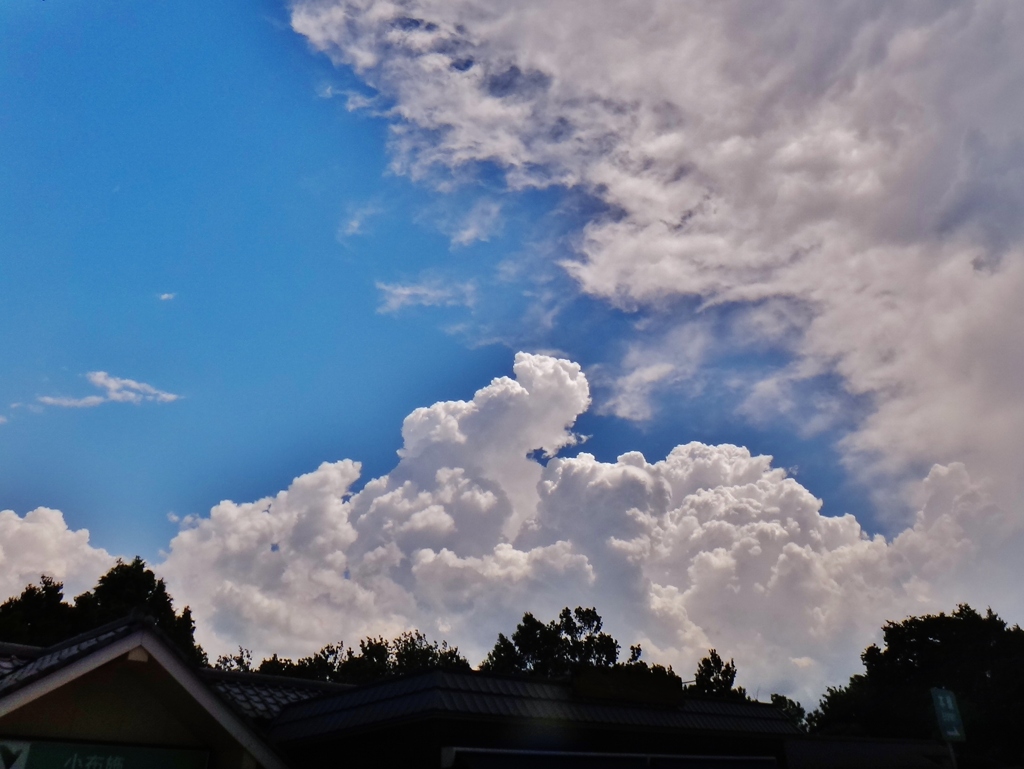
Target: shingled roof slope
(261,698)
(13,656)
(23,671)
(478,695)
(258,698)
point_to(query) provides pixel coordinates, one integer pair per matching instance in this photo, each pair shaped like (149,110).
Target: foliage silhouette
(978,657)
(715,678)
(554,649)
(791,708)
(41,617)
(572,643)
(376,659)
(37,617)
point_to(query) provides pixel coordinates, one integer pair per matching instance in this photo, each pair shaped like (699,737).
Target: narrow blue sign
(948,715)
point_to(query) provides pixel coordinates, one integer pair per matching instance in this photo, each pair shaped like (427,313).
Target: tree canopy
(976,656)
(715,678)
(793,709)
(573,643)
(554,649)
(41,617)
(377,658)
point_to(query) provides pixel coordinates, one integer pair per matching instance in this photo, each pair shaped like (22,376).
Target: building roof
(29,674)
(258,698)
(477,695)
(261,698)
(23,667)
(15,655)
(253,707)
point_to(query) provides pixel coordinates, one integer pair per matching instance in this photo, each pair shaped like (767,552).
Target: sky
(356,317)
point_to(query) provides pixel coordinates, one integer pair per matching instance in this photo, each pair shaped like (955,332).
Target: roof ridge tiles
(69,649)
(129,622)
(475,694)
(8,649)
(267,679)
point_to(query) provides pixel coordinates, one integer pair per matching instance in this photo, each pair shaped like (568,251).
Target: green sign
(17,754)
(948,715)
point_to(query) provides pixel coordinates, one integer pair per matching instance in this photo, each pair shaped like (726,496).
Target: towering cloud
(708,547)
(845,180)
(41,543)
(315,562)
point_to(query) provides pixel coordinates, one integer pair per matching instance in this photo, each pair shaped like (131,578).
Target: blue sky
(145,153)
(240,240)
(161,149)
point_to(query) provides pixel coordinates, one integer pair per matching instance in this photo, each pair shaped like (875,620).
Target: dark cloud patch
(514,82)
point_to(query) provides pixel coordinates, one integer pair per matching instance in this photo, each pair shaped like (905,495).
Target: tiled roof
(260,697)
(9,663)
(15,655)
(478,695)
(57,656)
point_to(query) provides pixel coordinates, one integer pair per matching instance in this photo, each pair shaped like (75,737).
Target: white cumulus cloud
(40,542)
(708,547)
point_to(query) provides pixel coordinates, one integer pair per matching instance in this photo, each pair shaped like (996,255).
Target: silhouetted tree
(637,665)
(131,587)
(574,642)
(37,617)
(715,678)
(41,617)
(413,653)
(554,649)
(376,659)
(978,657)
(240,662)
(791,708)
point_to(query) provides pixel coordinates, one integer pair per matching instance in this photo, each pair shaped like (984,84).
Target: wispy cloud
(395,296)
(114,390)
(357,101)
(354,101)
(327,91)
(871,186)
(662,362)
(482,221)
(72,403)
(355,221)
(167,297)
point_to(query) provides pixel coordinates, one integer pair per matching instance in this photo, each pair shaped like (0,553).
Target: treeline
(41,617)
(977,656)
(574,640)
(375,659)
